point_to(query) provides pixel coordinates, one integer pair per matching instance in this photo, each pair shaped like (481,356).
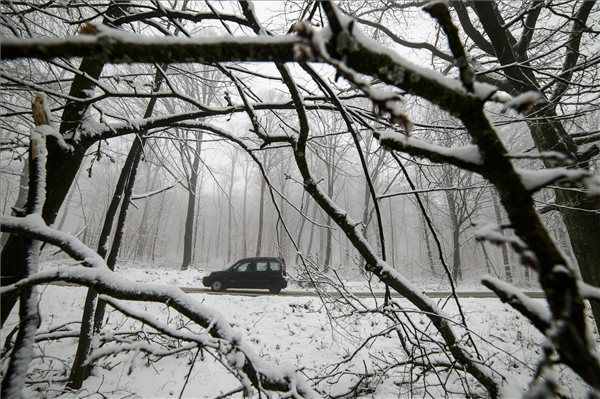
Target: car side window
(261,266)
(244,267)
(274,266)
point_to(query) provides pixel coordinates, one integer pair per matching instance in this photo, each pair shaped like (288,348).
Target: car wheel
(217,286)
(275,290)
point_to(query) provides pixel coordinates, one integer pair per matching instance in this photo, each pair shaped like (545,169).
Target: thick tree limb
(127,48)
(109,283)
(441,13)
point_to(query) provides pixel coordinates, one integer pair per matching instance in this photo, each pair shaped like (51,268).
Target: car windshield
(230,265)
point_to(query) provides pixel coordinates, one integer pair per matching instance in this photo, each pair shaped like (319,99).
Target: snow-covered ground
(303,332)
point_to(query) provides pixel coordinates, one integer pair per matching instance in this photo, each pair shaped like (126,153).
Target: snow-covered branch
(152,193)
(535,180)
(466,157)
(111,350)
(538,314)
(14,378)
(34,226)
(117,47)
(260,372)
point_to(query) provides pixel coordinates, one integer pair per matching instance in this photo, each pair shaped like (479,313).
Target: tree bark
(261,211)
(549,134)
(312,229)
(123,188)
(328,221)
(503,246)
(191,206)
(144,231)
(230,206)
(13,381)
(455,226)
(303,211)
(21,199)
(245,214)
(61,168)
(79,372)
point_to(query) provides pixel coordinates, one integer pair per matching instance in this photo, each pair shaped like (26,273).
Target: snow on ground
(300,331)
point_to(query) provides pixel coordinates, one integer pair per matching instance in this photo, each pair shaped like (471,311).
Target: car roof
(262,258)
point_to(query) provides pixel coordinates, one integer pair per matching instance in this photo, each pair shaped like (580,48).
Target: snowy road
(359,294)
(299,293)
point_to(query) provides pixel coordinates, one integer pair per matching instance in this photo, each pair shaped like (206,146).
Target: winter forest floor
(303,332)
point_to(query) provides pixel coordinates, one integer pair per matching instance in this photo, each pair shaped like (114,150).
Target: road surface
(299,293)
(303,293)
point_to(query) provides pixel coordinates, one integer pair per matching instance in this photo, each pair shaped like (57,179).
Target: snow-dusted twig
(111,350)
(538,314)
(203,340)
(258,371)
(430,190)
(465,157)
(374,263)
(492,232)
(153,193)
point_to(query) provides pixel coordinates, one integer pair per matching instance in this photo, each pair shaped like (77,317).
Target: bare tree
(370,71)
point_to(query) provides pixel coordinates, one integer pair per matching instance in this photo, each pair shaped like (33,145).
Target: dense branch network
(344,48)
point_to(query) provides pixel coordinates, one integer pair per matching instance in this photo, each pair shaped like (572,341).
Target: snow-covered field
(302,332)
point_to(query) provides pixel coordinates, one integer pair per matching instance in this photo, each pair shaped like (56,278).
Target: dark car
(266,273)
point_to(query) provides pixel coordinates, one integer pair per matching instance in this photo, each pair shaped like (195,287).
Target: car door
(275,272)
(241,275)
(262,274)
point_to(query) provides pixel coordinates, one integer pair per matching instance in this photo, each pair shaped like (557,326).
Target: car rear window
(275,266)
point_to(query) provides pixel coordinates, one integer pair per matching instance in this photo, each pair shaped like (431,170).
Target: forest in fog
(234,215)
(402,147)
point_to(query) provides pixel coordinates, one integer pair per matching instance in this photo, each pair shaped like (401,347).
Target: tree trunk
(143,231)
(503,246)
(61,168)
(156,231)
(245,218)
(218,236)
(579,212)
(197,222)
(29,319)
(303,210)
(282,238)
(66,204)
(118,238)
(328,221)
(455,226)
(549,134)
(191,206)
(393,243)
(427,243)
(230,206)
(124,188)
(21,198)
(79,372)
(261,211)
